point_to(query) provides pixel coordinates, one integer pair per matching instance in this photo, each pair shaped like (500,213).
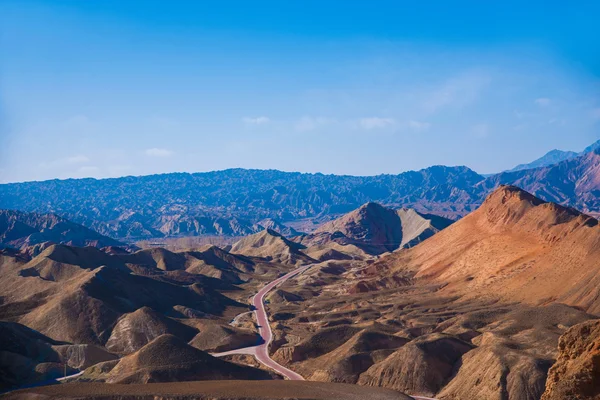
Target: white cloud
(256,120)
(419,126)
(311,123)
(543,101)
(458,91)
(376,122)
(76,159)
(158,152)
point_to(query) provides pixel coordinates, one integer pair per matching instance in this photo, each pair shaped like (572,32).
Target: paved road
(261,352)
(64,378)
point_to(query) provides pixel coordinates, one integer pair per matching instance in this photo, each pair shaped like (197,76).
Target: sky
(113,88)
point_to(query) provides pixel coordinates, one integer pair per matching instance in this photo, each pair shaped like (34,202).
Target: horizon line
(246,169)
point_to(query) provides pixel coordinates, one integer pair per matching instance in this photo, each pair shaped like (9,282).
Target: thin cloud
(456,92)
(158,152)
(557,121)
(76,159)
(543,101)
(419,126)
(164,123)
(305,124)
(77,122)
(376,123)
(256,120)
(480,130)
(88,170)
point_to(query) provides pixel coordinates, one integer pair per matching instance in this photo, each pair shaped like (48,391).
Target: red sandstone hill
(377,229)
(515,247)
(271,246)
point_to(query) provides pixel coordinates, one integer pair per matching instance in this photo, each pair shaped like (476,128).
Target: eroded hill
(475,311)
(20,230)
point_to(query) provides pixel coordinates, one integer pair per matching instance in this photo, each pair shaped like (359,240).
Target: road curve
(261,352)
(264,329)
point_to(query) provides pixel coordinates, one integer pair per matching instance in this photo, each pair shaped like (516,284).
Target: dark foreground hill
(170,359)
(213,390)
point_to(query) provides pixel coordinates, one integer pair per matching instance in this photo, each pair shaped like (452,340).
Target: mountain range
(555,156)
(234,202)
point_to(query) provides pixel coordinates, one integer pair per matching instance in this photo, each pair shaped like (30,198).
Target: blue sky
(112,88)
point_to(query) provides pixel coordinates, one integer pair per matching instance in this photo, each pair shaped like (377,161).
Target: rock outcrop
(576,373)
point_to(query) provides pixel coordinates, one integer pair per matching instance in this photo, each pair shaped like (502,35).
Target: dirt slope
(515,247)
(136,329)
(273,247)
(377,229)
(27,356)
(169,359)
(79,294)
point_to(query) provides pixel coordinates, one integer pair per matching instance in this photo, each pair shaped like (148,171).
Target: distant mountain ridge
(555,156)
(20,229)
(574,182)
(239,202)
(233,202)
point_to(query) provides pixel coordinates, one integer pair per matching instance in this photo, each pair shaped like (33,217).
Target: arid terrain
(501,304)
(299,200)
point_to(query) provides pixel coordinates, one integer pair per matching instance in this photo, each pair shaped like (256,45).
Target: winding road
(261,352)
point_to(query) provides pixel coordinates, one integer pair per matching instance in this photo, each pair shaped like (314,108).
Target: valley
(299,200)
(391,300)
